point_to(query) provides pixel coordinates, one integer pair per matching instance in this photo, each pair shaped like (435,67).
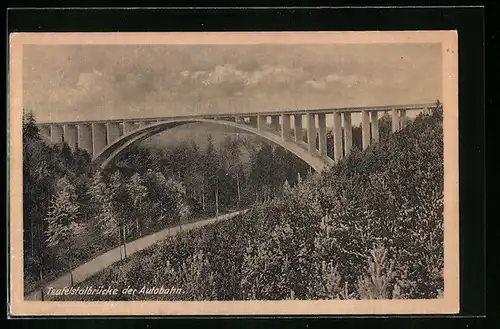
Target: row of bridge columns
(341,131)
(93,137)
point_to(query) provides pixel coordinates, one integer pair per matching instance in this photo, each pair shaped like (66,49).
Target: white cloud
(347,81)
(66,81)
(319,85)
(266,74)
(198,74)
(275,74)
(91,87)
(332,78)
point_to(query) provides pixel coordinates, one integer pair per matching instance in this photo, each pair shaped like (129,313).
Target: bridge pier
(44,131)
(275,122)
(84,138)
(285,127)
(322,133)
(56,134)
(98,137)
(113,131)
(403,118)
(337,136)
(375,134)
(347,133)
(261,122)
(253,121)
(298,127)
(311,133)
(70,136)
(365,129)
(395,120)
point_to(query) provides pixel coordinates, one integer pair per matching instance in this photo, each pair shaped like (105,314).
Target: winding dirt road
(84,271)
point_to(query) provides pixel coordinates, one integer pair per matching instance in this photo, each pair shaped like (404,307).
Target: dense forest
(370,227)
(73,212)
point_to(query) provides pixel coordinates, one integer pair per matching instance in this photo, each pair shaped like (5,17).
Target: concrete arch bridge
(105,140)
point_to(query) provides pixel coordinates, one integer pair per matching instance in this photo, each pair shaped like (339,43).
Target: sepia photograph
(234,173)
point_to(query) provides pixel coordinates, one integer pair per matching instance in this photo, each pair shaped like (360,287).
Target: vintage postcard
(283,173)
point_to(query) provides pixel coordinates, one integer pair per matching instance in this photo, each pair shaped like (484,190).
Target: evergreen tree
(30,130)
(62,219)
(98,195)
(39,175)
(138,193)
(210,168)
(177,192)
(231,157)
(194,179)
(263,171)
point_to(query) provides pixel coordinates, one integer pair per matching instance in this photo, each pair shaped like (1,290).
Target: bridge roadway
(86,270)
(378,108)
(106,139)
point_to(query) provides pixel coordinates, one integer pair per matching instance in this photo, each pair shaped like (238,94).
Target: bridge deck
(382,108)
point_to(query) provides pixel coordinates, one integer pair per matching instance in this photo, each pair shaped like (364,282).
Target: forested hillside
(370,227)
(73,213)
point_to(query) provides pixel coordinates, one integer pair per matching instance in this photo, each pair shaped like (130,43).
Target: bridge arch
(107,155)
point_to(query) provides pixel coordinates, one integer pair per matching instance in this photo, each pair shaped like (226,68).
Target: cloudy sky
(85,82)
